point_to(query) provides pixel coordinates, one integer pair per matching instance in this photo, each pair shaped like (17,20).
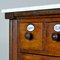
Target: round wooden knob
(29,36)
(56,37)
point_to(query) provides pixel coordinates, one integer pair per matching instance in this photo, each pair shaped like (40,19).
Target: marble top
(32,8)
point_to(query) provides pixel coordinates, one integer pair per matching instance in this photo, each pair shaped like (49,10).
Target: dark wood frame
(14,16)
(28,14)
(13,40)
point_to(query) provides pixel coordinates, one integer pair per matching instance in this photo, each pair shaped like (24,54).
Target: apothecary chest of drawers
(34,33)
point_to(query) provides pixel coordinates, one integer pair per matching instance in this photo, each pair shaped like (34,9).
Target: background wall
(4,24)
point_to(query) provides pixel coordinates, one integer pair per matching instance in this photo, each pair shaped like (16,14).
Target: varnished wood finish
(51,46)
(46,50)
(13,40)
(42,46)
(43,20)
(10,40)
(36,57)
(35,43)
(30,57)
(43,13)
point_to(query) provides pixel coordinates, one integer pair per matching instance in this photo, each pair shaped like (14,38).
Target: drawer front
(36,57)
(30,38)
(30,57)
(52,58)
(52,43)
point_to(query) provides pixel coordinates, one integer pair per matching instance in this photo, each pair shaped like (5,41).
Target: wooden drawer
(52,44)
(30,57)
(33,44)
(36,57)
